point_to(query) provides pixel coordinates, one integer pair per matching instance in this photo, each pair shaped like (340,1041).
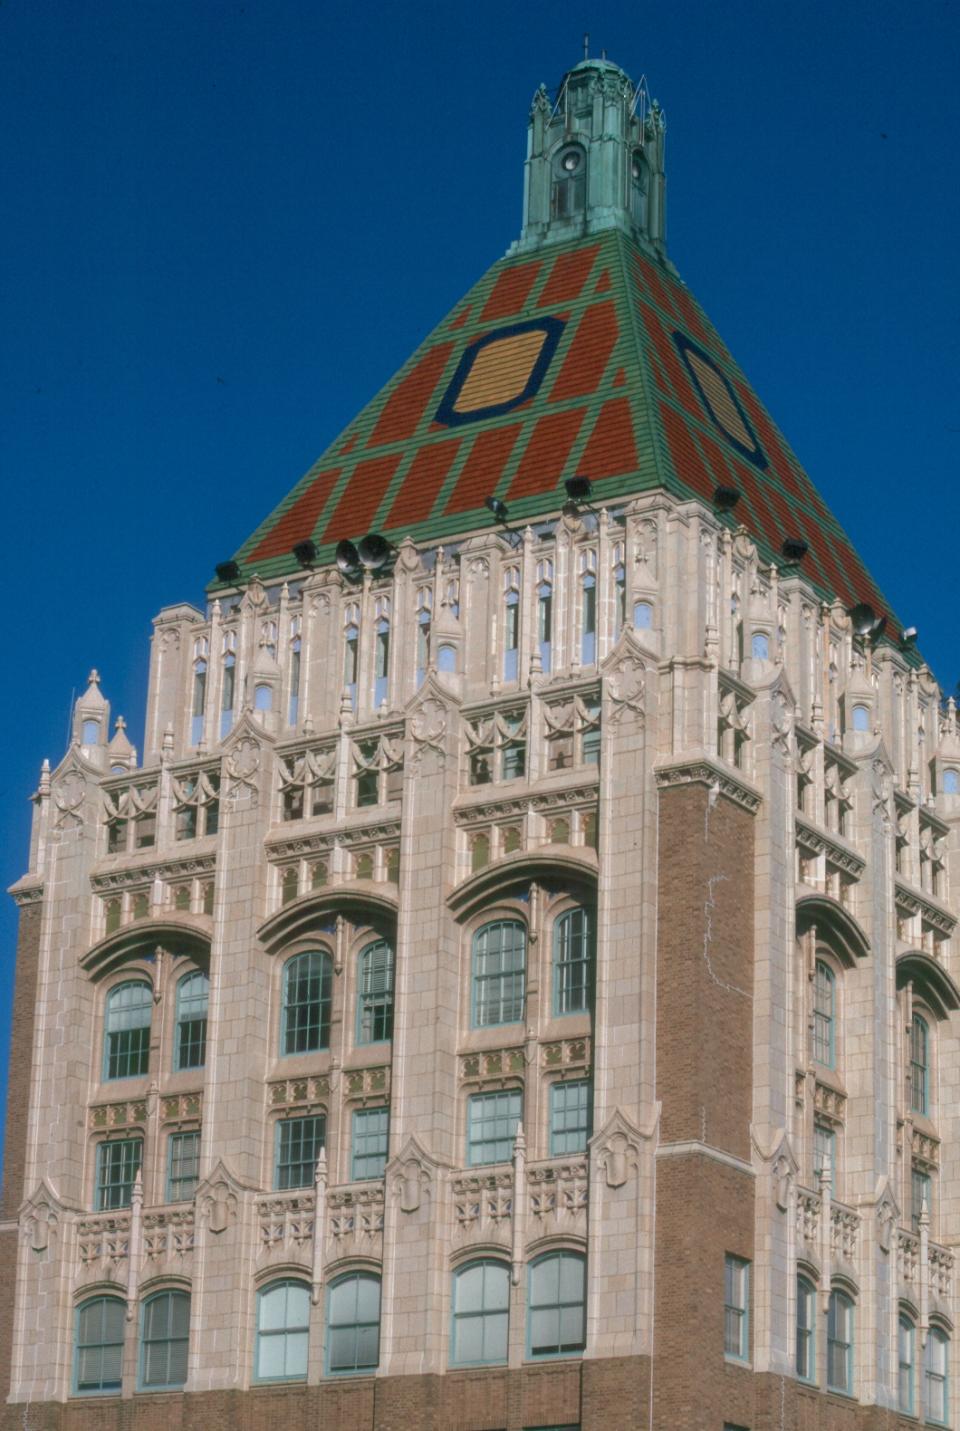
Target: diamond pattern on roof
(608,397)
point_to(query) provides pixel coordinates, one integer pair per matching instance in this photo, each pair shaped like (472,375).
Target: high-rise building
(517,988)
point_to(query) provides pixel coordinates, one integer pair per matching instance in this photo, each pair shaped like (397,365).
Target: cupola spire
(594,160)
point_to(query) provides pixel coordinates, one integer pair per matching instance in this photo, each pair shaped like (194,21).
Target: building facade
(517,987)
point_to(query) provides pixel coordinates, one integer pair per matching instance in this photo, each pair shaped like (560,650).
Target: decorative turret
(91,721)
(595,160)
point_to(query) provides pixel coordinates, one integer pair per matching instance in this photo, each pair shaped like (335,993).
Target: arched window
(375,993)
(192,996)
(263,697)
(920,1065)
(588,608)
(642,615)
(447,659)
(293,705)
(307,993)
(555,1296)
(351,650)
(572,962)
(381,651)
(936,1389)
(906,1374)
(569,193)
(164,1339)
(861,718)
(840,1343)
(424,615)
(126,1041)
(511,623)
(824,1015)
(806,1329)
(760,646)
(951,782)
(90,732)
(545,614)
(481,1314)
(199,695)
(98,1352)
(283,1329)
(499,973)
(353,1324)
(619,590)
(228,690)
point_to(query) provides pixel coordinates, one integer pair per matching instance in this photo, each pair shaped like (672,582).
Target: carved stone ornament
(411,1175)
(429,724)
(616,1150)
(217,1199)
(41,1225)
(887,1220)
(170,639)
(781,722)
(783,1167)
(68,796)
(242,765)
(625,682)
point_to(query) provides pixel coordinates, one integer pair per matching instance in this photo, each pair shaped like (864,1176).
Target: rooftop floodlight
(725,498)
(794,549)
(305,552)
(347,558)
(863,618)
(498,508)
(227,571)
(374,551)
(579,489)
(908,636)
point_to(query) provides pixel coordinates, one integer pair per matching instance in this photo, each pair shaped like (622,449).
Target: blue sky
(229,223)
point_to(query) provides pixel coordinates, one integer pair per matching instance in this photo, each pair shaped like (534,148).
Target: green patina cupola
(594,161)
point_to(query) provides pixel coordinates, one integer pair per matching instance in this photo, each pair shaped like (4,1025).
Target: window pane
(299,1141)
(308,984)
(492,1126)
(499,973)
(370,1139)
(127,1028)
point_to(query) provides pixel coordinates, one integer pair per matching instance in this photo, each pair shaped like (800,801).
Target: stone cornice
(27,891)
(140,873)
(562,797)
(705,770)
(819,842)
(914,901)
(278,849)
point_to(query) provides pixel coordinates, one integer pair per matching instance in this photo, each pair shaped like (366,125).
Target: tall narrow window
(642,616)
(921,1194)
(824,1015)
(375,993)
(499,973)
(424,614)
(307,993)
(511,623)
(381,652)
(283,1332)
(570,1110)
(806,1329)
(126,1044)
(936,1391)
(555,1305)
(263,696)
(351,650)
(906,1378)
(840,1343)
(545,614)
(639,170)
(118,1163)
(199,696)
(183,1166)
(299,1141)
(572,962)
(481,1314)
(736,1321)
(371,1130)
(492,1120)
(824,1152)
(98,1357)
(588,608)
(293,707)
(353,1324)
(228,689)
(569,193)
(192,997)
(164,1340)
(919,1065)
(619,590)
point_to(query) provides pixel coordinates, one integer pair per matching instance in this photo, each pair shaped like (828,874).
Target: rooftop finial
(586,45)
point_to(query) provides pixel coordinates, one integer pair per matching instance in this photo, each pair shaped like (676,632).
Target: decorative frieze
(493,1065)
(181,1107)
(713,775)
(813,841)
(483,1206)
(367,1082)
(103,1242)
(140,873)
(829,1103)
(355,1220)
(559,1195)
(809,1205)
(543,802)
(911,901)
(924,1148)
(567,1053)
(168,1236)
(118,1115)
(844,1232)
(288,1092)
(285,1221)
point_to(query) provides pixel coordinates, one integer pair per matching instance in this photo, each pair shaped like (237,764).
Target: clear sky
(227,223)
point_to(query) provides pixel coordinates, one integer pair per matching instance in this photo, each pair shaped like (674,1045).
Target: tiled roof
(590,359)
